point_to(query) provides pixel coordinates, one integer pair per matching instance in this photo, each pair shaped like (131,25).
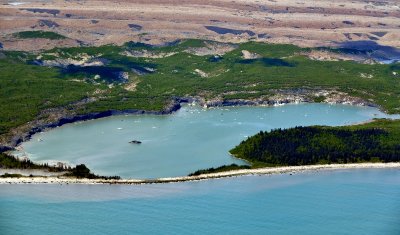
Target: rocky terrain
(300,22)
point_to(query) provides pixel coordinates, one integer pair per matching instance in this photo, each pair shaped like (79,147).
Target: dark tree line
(219,169)
(79,171)
(11,162)
(313,145)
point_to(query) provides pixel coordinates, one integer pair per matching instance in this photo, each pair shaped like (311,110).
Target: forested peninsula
(377,141)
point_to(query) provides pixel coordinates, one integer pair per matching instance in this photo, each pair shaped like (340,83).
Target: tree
(81,171)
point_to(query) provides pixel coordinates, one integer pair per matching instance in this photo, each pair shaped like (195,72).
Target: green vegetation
(28,89)
(6,175)
(10,162)
(378,141)
(81,171)
(39,34)
(220,169)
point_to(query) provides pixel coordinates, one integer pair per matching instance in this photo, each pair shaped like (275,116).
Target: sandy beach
(260,171)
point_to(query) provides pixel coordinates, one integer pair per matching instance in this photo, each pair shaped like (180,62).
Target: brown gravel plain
(305,23)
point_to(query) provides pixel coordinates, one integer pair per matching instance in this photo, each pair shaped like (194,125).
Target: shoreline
(176,103)
(219,175)
(26,136)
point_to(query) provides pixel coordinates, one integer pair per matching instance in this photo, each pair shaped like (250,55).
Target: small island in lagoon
(135,142)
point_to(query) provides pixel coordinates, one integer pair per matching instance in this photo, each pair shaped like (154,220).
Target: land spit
(234,173)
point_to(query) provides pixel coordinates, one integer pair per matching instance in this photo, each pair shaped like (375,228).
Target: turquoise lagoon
(175,145)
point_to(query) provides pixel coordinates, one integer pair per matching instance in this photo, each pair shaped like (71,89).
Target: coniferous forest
(378,141)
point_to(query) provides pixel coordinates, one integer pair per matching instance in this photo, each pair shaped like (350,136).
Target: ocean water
(176,145)
(360,201)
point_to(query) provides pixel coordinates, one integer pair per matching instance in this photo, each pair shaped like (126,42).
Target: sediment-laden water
(178,144)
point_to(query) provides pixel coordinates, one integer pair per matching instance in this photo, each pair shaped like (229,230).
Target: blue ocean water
(363,201)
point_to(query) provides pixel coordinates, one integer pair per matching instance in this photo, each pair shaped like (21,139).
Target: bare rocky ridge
(324,55)
(281,97)
(301,22)
(212,48)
